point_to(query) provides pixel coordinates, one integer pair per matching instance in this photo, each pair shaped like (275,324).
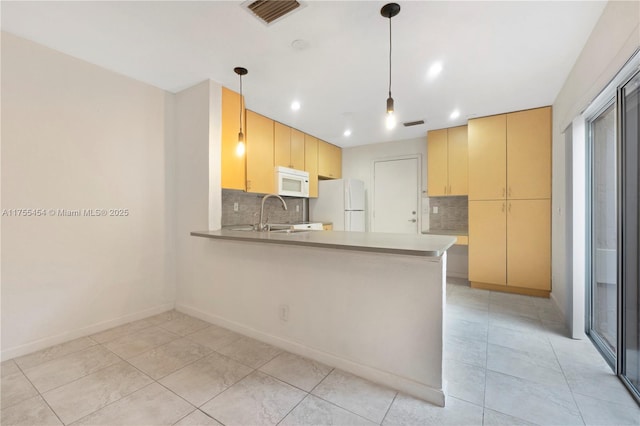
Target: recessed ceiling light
(455,114)
(295,105)
(347,133)
(435,70)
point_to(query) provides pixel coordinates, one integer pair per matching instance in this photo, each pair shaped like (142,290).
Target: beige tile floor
(507,362)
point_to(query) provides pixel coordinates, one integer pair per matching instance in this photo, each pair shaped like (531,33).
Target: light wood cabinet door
(457,160)
(260,164)
(297,149)
(282,144)
(288,147)
(311,163)
(488,158)
(329,160)
(232,165)
(488,242)
(336,160)
(529,244)
(529,154)
(437,163)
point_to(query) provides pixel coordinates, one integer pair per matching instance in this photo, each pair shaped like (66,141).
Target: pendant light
(240,147)
(390,10)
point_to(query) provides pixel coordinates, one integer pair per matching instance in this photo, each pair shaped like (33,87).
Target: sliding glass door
(629,318)
(602,322)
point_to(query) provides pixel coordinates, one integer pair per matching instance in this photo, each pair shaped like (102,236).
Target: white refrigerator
(341,202)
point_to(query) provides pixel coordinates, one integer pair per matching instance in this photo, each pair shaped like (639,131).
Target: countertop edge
(446,232)
(306,243)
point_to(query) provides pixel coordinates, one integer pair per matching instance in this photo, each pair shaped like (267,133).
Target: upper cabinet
(437,166)
(260,151)
(529,154)
(297,149)
(232,164)
(447,161)
(288,147)
(311,163)
(488,158)
(329,160)
(269,144)
(510,156)
(282,144)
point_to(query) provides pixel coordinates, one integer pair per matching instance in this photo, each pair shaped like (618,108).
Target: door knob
(413,220)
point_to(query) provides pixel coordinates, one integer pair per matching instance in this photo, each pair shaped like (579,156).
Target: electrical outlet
(284,312)
(235,207)
(435,209)
(297,209)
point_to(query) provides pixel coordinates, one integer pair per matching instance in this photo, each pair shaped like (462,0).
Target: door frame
(419,171)
(623,176)
(599,103)
(603,105)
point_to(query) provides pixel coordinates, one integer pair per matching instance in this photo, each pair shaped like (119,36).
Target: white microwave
(291,182)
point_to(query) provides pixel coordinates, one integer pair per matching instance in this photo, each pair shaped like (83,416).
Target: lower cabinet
(488,242)
(529,244)
(510,245)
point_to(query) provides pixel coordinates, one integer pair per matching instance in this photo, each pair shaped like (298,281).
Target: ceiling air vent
(413,123)
(270,11)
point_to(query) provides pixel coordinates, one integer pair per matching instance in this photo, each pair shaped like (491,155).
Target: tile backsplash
(453,213)
(249,209)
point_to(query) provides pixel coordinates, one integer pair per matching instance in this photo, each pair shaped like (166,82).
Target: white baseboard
(46,342)
(418,390)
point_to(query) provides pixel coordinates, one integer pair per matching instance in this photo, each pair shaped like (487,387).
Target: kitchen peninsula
(368,303)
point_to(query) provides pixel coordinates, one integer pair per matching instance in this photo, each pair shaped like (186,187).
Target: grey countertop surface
(445,232)
(377,242)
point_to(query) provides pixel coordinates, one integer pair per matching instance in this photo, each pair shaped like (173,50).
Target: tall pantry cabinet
(510,201)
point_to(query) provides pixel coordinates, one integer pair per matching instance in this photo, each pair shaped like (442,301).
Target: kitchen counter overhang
(376,242)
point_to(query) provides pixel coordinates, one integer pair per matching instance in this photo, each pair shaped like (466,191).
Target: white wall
(76,136)
(198,193)
(357,163)
(614,39)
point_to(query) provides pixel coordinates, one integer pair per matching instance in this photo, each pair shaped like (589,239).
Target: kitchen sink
(289,231)
(289,228)
(305,226)
(243,228)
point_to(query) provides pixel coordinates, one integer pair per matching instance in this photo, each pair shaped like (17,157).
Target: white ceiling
(497,56)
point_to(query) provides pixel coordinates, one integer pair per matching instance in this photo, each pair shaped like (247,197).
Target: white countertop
(378,242)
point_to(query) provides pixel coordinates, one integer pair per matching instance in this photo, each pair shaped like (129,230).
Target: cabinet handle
(509,207)
(509,192)
(445,189)
(502,207)
(450,190)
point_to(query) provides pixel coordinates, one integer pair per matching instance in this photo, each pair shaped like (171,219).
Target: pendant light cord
(241,103)
(390,56)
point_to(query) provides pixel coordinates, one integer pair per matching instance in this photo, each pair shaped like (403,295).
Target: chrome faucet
(262,225)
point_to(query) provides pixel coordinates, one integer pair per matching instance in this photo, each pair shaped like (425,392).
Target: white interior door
(396,195)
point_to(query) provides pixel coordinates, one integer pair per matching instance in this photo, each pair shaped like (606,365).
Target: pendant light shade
(240,147)
(390,10)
